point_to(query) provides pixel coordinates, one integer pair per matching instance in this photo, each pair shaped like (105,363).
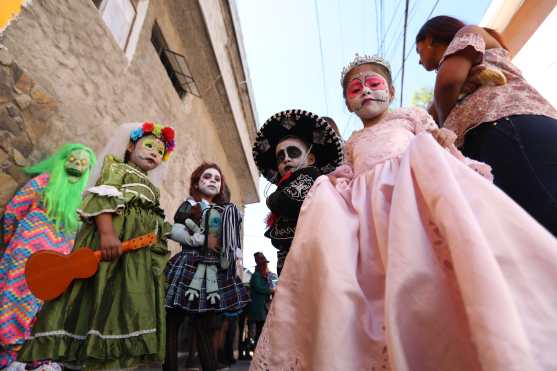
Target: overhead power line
(414,44)
(322,56)
(394,45)
(382,15)
(404,51)
(395,13)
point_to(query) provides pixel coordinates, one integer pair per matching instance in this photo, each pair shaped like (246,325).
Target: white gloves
(193,235)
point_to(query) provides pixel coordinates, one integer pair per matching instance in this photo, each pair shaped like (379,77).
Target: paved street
(238,366)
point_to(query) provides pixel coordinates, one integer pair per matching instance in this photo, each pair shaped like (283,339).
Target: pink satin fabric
(414,262)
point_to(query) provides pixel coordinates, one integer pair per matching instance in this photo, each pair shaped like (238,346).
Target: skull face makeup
(210,183)
(367,92)
(76,164)
(292,154)
(147,152)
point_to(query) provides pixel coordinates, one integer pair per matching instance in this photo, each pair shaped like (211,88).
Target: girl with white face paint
(403,234)
(209,184)
(368,93)
(121,203)
(202,277)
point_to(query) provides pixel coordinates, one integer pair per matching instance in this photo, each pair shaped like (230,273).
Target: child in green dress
(115,319)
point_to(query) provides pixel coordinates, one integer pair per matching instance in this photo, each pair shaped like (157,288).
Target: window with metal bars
(175,65)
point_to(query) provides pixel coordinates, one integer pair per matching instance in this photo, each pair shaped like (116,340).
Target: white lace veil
(116,146)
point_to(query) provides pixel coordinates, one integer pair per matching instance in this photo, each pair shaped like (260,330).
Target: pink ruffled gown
(412,261)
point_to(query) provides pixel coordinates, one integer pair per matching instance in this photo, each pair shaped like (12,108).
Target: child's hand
(198,234)
(111,246)
(444,137)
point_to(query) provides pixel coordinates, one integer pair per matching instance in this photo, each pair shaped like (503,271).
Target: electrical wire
(322,56)
(412,13)
(414,44)
(404,50)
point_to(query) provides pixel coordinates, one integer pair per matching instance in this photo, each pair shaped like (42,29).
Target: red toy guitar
(48,273)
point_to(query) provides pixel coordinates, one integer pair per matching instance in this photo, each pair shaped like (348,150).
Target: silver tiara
(363,59)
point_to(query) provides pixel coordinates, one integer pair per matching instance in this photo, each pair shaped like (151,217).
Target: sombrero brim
(326,144)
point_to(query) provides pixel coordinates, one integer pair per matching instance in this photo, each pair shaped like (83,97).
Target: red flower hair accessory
(148,128)
(164,133)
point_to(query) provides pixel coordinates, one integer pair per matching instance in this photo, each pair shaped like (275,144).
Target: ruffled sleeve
(422,120)
(106,196)
(466,38)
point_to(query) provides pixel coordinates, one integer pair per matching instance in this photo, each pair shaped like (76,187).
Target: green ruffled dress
(115,319)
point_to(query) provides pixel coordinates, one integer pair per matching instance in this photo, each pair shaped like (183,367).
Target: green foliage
(422,97)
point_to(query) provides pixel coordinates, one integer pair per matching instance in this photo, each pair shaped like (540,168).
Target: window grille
(175,65)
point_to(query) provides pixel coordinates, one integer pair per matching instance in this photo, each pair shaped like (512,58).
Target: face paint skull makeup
(147,152)
(210,183)
(76,164)
(367,94)
(292,154)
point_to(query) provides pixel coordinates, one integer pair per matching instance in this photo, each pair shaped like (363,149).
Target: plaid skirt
(180,271)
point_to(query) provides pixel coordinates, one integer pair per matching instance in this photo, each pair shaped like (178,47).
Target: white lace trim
(106,190)
(131,169)
(261,360)
(140,195)
(140,185)
(118,210)
(295,360)
(93,333)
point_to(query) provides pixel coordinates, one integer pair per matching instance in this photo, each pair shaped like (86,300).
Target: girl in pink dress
(406,259)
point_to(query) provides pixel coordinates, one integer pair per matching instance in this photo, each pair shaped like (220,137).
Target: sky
(296,49)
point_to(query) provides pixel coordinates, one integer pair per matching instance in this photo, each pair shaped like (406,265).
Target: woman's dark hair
(219,199)
(442,29)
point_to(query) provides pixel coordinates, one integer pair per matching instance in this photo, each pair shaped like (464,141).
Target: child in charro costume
(202,280)
(41,216)
(292,149)
(115,319)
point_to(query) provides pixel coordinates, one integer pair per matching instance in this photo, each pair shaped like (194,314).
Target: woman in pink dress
(406,259)
(511,127)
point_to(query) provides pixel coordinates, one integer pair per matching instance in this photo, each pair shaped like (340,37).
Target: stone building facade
(68,75)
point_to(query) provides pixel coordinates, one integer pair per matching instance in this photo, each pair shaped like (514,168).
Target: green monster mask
(76,164)
(68,169)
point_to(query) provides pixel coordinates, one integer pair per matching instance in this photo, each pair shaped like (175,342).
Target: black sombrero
(326,144)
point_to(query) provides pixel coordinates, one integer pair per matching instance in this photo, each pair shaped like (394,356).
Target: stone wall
(25,110)
(64,79)
(81,86)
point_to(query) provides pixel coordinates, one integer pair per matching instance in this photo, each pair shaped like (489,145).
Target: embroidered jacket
(286,202)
